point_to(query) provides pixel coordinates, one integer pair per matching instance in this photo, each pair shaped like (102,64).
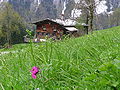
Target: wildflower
(34,71)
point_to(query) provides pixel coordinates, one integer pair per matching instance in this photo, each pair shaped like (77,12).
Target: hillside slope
(91,62)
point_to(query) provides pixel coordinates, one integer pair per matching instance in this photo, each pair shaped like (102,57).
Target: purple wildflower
(34,71)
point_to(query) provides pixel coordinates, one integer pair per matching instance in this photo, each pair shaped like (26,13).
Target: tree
(110,19)
(88,8)
(10,22)
(115,17)
(82,24)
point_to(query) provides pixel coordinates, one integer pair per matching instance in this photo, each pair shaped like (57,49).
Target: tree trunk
(91,18)
(87,21)
(91,23)
(9,39)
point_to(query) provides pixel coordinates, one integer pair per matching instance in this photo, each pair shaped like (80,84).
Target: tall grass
(91,62)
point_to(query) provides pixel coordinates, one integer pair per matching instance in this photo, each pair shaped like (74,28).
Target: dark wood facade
(49,29)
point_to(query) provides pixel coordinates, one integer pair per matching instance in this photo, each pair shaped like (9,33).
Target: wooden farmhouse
(51,29)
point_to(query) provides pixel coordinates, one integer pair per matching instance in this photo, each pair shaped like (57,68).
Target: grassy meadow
(91,62)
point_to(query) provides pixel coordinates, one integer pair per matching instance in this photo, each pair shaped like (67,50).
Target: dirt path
(7,52)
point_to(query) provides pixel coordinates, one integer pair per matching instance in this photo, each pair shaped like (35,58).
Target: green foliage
(91,62)
(11,24)
(80,27)
(115,17)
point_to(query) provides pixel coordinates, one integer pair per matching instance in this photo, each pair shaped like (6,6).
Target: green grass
(91,62)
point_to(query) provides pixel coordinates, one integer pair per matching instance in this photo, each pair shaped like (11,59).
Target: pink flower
(34,76)
(34,71)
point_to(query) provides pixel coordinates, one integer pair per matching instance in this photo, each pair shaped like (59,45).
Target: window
(48,34)
(53,33)
(44,28)
(42,33)
(54,29)
(38,33)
